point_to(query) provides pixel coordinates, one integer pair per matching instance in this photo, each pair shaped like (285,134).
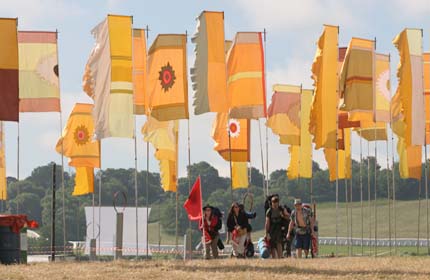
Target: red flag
(193,205)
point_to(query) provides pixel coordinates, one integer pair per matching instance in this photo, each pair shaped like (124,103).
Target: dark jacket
(242,221)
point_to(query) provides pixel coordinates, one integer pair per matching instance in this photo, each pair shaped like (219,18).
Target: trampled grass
(328,268)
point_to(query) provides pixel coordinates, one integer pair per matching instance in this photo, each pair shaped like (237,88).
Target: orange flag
(209,72)
(239,137)
(324,105)
(139,71)
(167,74)
(245,77)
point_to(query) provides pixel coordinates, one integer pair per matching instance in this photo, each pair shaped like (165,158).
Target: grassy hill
(406,213)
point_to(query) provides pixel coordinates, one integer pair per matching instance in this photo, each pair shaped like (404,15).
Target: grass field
(329,268)
(406,221)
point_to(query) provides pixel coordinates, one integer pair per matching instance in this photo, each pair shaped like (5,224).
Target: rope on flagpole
(419,216)
(100,203)
(147,182)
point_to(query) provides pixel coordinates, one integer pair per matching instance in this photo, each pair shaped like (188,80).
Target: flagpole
(266,191)
(350,199)
(347,214)
(368,197)
(426,169)
(337,154)
(375,193)
(267,129)
(229,152)
(189,187)
(392,174)
(100,203)
(361,194)
(62,151)
(388,197)
(419,216)
(136,191)
(147,181)
(17,172)
(203,215)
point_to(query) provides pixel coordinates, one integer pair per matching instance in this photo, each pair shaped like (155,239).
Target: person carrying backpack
(238,226)
(303,224)
(210,227)
(273,226)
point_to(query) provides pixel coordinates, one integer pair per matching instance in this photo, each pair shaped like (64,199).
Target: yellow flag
(239,175)
(209,72)
(410,87)
(163,135)
(324,105)
(382,88)
(372,131)
(77,139)
(108,78)
(301,155)
(3,184)
(344,159)
(167,74)
(139,71)
(356,79)
(410,160)
(84,181)
(245,77)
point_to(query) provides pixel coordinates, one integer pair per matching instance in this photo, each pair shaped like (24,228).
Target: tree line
(35,192)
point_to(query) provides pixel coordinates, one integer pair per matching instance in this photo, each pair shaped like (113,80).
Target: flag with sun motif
(3,185)
(167,77)
(38,72)
(77,143)
(238,131)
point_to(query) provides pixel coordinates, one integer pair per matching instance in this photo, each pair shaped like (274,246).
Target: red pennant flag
(193,205)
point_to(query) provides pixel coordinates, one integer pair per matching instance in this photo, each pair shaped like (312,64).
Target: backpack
(216,212)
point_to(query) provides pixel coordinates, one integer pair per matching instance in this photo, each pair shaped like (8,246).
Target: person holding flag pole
(209,222)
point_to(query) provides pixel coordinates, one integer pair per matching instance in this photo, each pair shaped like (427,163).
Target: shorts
(302,241)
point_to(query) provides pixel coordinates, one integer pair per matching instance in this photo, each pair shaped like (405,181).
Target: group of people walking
(284,229)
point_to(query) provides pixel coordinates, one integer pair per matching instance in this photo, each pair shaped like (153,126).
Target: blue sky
(292,30)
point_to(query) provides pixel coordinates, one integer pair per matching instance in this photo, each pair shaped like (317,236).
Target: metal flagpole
(393,185)
(375,193)
(229,153)
(350,205)
(17,173)
(368,196)
(388,198)
(147,184)
(419,216)
(361,194)
(267,129)
(189,188)
(147,202)
(266,191)
(337,159)
(347,214)
(136,205)
(100,204)
(425,172)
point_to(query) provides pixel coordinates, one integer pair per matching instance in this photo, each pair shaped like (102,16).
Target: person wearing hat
(209,226)
(303,224)
(274,217)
